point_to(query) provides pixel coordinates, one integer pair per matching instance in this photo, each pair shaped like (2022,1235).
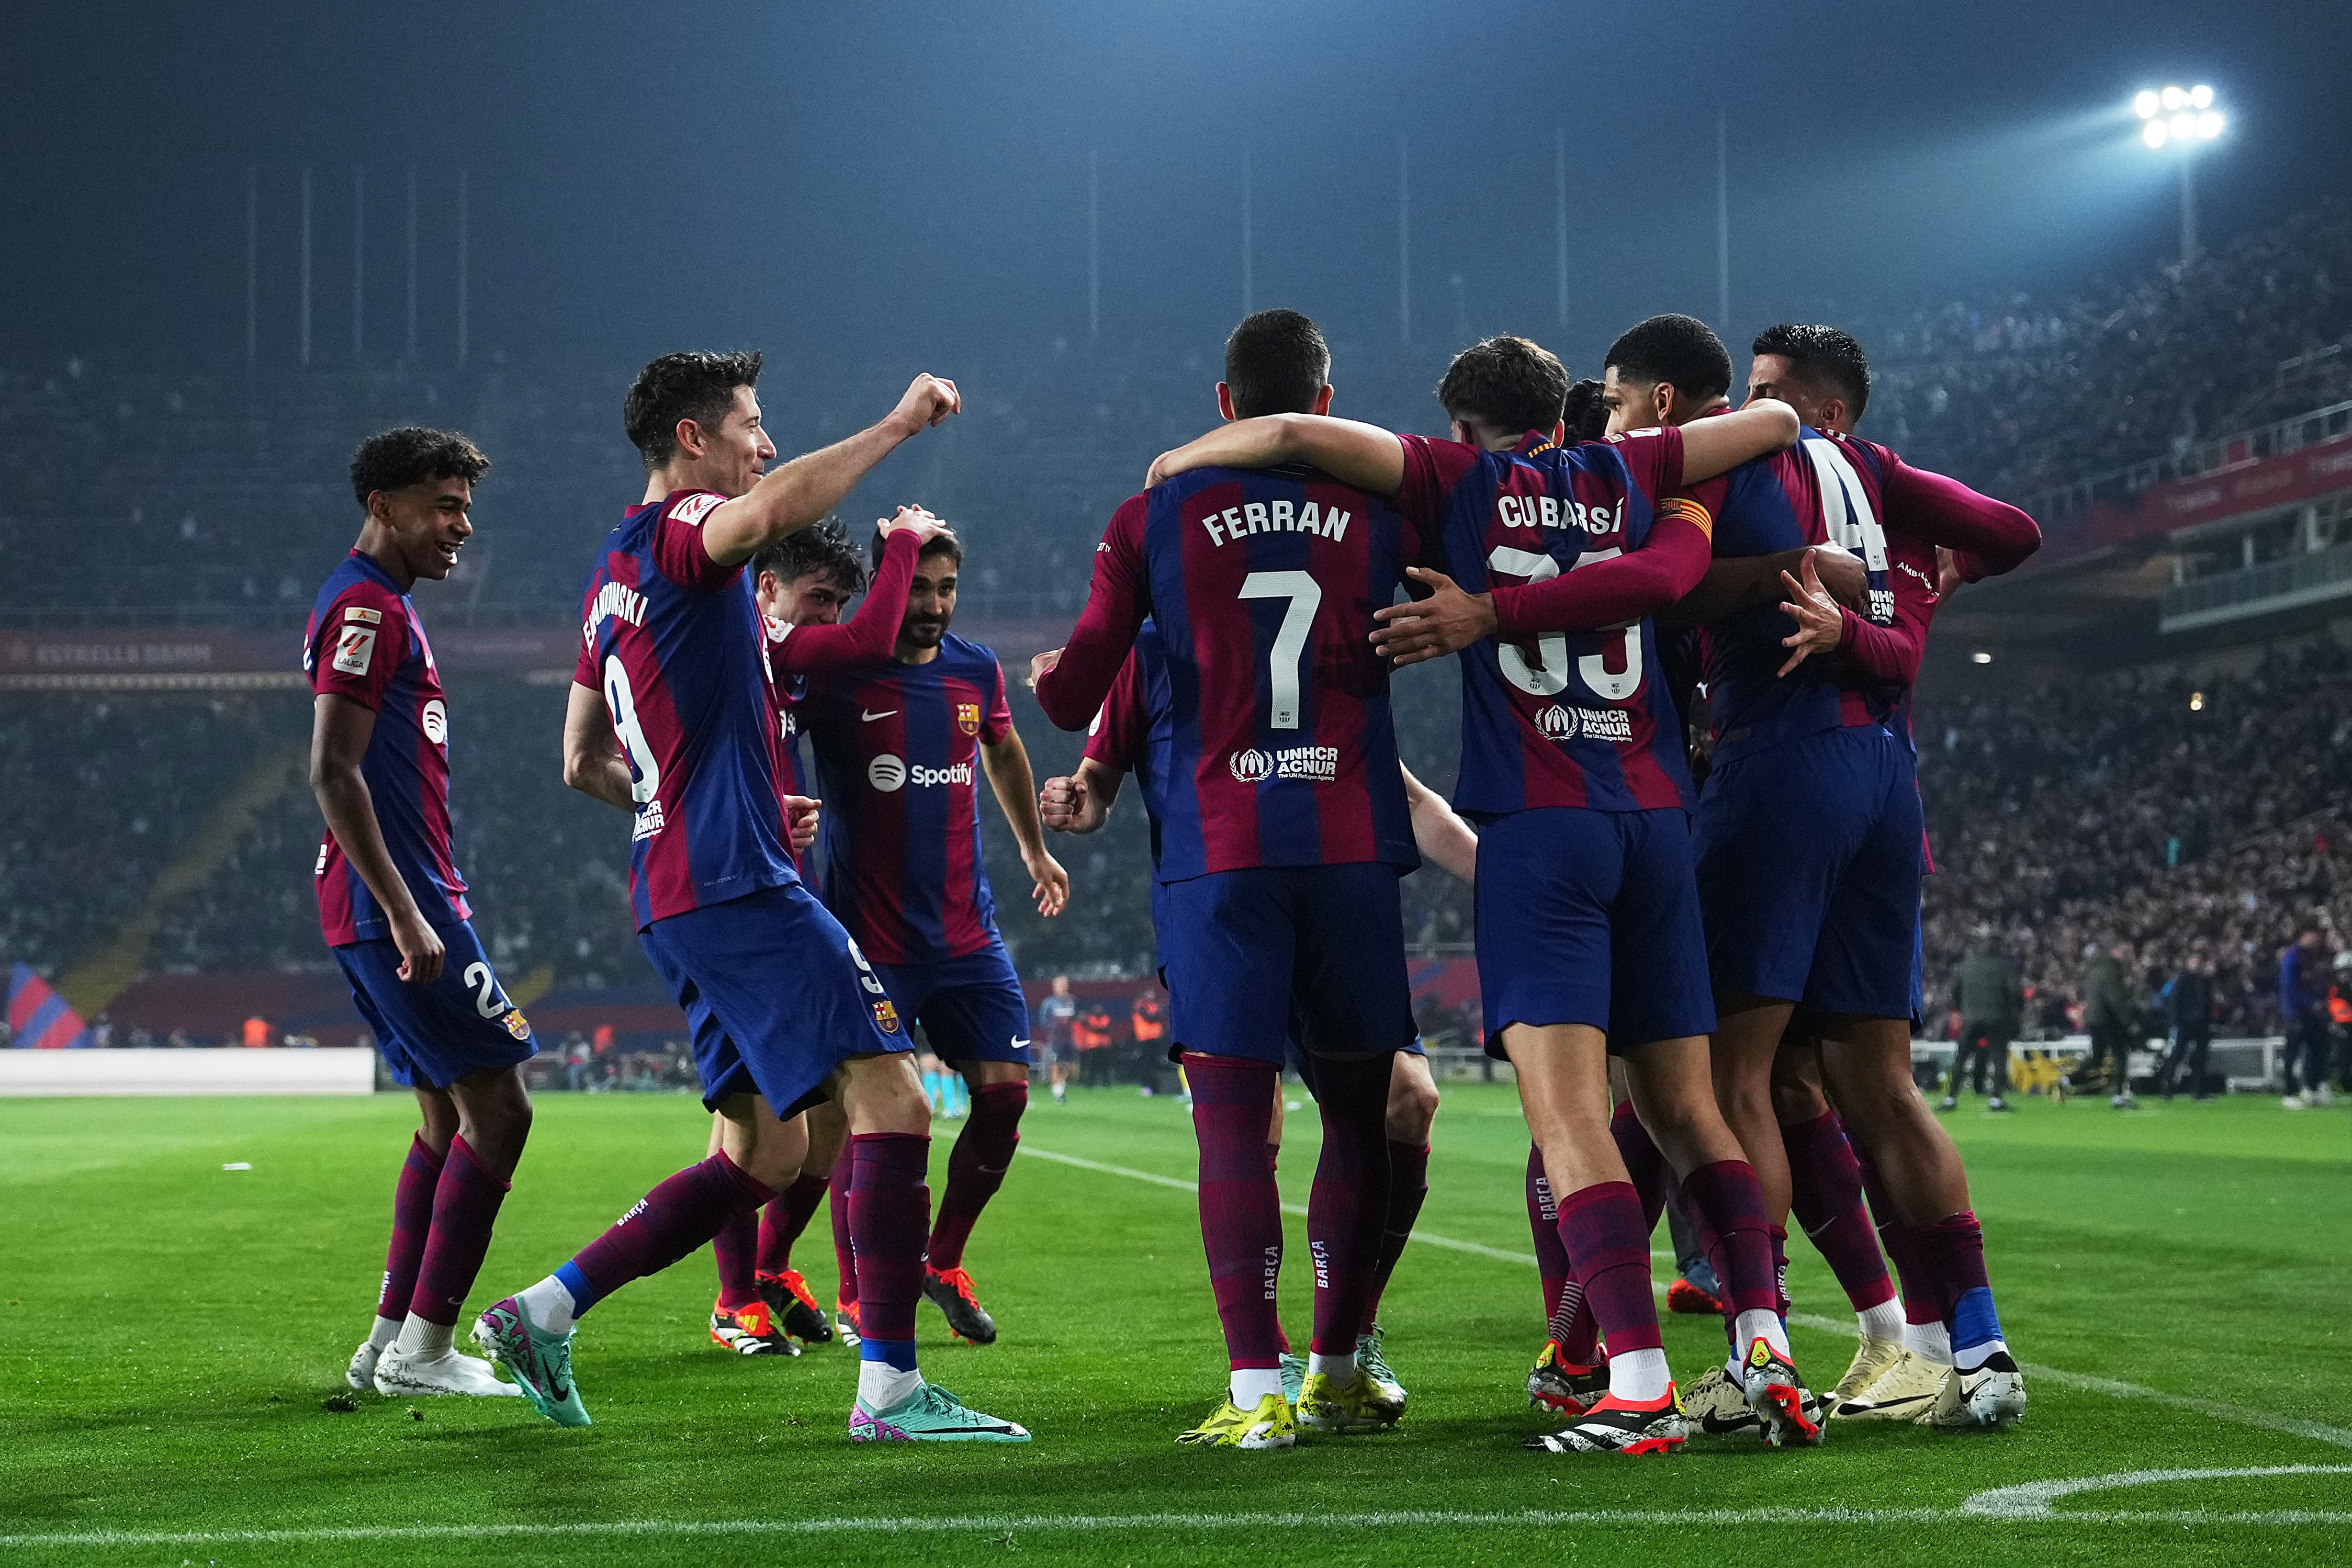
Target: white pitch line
(2032,1499)
(2268,1421)
(1091,1523)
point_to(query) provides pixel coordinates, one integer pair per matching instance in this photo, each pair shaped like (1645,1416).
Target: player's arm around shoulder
(1364,455)
(1723,442)
(802,491)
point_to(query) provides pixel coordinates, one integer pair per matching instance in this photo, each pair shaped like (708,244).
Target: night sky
(899,177)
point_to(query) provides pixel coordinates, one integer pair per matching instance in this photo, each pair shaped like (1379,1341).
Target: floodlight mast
(2182,119)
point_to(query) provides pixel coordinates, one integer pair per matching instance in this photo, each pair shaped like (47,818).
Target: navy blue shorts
(1810,860)
(437,1034)
(1240,949)
(1589,917)
(776,993)
(970,1008)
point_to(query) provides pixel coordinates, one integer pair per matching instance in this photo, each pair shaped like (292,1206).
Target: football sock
(1347,1205)
(1601,1227)
(736,1250)
(420,1335)
(1955,1249)
(1408,1188)
(1245,1386)
(411,1222)
(1341,1367)
(1780,1234)
(782,1221)
(668,1223)
(1274,1159)
(465,1205)
(1644,1167)
(385,1332)
(1561,1295)
(889,1213)
(976,1167)
(550,1303)
(1638,1376)
(1825,1199)
(1923,1311)
(1725,1197)
(1241,1211)
(881,1385)
(844,1255)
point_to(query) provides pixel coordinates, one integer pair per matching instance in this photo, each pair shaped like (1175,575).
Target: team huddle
(1706,995)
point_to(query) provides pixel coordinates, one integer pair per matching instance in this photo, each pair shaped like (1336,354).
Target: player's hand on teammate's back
(1821,624)
(421,953)
(1447,621)
(929,399)
(1841,574)
(801,814)
(1041,663)
(1066,806)
(1052,891)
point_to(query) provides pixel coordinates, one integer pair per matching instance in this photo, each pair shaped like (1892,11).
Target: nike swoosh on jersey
(870,717)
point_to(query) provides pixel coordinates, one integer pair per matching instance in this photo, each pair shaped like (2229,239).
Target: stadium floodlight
(1981,658)
(2180,118)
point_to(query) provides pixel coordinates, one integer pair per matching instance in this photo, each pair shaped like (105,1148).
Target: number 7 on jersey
(1305,596)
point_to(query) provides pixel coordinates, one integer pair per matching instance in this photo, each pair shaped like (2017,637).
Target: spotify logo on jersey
(886,773)
(437,722)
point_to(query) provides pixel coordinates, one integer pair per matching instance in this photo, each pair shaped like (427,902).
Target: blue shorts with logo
(437,1034)
(1589,917)
(1810,860)
(970,1008)
(776,994)
(1240,949)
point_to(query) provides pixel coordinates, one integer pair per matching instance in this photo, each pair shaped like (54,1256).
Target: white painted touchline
(2268,1421)
(2032,1499)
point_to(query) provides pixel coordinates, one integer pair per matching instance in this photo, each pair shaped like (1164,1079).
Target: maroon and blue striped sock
(1240,1210)
(1601,1228)
(1563,1297)
(844,1251)
(411,1222)
(1348,1203)
(976,1167)
(668,1223)
(1408,1188)
(1825,1197)
(465,1205)
(735,1249)
(890,1214)
(782,1221)
(1645,1168)
(1726,1198)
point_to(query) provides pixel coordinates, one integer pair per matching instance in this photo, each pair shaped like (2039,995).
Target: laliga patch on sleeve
(355,650)
(694,508)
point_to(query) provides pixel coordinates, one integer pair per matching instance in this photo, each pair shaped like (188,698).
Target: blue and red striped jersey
(675,642)
(365,643)
(1578,719)
(1826,489)
(1263,584)
(898,754)
(1135,730)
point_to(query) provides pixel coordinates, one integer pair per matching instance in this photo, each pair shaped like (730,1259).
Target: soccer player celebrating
(669,720)
(1285,832)
(1830,919)
(1590,940)
(393,907)
(1131,735)
(802,583)
(898,741)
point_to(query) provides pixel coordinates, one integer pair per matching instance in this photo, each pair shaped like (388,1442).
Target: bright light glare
(2174,99)
(2201,97)
(1981,658)
(2196,702)
(2145,106)
(2183,126)
(2209,124)
(2154,133)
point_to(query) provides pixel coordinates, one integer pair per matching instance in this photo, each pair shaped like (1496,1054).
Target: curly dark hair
(696,386)
(1682,351)
(1586,416)
(411,454)
(1505,384)
(940,544)
(1826,359)
(820,548)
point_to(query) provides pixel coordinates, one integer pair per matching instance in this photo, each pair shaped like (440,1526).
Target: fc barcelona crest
(968,717)
(886,1017)
(516,1024)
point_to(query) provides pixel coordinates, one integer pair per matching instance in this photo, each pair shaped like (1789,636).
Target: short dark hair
(821,548)
(410,455)
(937,544)
(1682,351)
(1584,413)
(696,386)
(1823,357)
(1505,383)
(1276,362)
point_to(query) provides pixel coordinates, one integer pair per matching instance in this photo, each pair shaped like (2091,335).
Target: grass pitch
(169,1329)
